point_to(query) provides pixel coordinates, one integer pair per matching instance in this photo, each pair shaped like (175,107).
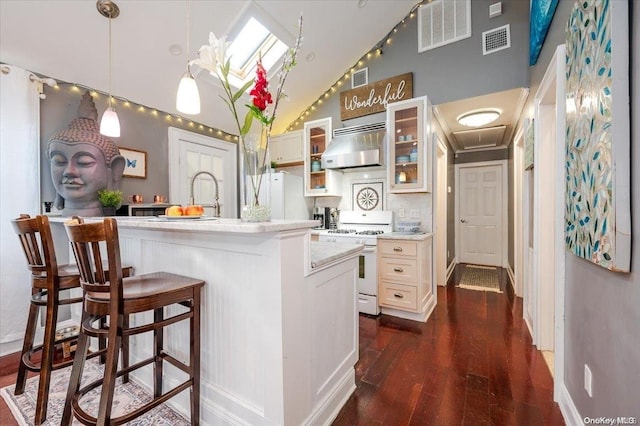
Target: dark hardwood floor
(471,363)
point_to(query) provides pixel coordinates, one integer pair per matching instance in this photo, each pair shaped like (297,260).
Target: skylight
(253,40)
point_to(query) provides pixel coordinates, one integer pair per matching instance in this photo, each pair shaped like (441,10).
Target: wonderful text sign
(374,97)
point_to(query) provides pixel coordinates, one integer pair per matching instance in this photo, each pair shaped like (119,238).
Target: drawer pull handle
(396,269)
(397,249)
(398,295)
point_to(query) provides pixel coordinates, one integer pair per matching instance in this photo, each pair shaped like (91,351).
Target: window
(255,36)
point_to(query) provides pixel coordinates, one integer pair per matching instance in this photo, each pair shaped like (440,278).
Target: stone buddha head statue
(83,162)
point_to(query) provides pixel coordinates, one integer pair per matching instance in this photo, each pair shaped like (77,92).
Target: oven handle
(369,249)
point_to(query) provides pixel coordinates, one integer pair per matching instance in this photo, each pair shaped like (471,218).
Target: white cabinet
(286,149)
(405,278)
(409,154)
(318,181)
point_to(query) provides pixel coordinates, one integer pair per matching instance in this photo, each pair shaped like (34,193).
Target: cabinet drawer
(397,248)
(399,269)
(398,296)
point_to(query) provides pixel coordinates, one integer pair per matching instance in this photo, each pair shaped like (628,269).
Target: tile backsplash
(419,204)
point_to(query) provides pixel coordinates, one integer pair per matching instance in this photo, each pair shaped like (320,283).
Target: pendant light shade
(110,124)
(188,99)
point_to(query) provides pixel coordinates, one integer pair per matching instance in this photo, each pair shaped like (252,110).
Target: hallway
(471,363)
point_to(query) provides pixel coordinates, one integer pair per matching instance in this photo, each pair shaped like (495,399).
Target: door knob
(463,220)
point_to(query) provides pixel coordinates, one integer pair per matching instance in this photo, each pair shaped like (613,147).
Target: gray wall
(602,313)
(141,130)
(480,156)
(452,72)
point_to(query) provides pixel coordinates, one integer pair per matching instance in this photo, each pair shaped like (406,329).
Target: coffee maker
(323,214)
(334,218)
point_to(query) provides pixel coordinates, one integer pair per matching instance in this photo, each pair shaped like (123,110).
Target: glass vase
(255,181)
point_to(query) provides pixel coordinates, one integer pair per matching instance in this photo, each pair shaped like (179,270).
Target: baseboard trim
(568,409)
(450,268)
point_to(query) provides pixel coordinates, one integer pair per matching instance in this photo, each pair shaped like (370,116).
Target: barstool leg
(114,341)
(194,362)
(76,373)
(27,345)
(158,333)
(125,350)
(47,357)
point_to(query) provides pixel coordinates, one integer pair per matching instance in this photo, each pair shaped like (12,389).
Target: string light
(373,53)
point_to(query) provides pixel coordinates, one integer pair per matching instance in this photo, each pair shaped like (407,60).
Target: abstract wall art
(597,210)
(541,14)
(528,144)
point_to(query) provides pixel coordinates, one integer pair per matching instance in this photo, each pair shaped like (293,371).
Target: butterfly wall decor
(135,163)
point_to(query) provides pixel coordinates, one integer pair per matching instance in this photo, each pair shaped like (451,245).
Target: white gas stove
(362,227)
(359,227)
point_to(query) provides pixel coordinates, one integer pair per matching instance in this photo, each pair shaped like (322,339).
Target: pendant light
(109,124)
(188,98)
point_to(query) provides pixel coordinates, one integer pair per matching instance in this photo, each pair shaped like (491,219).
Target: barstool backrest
(86,240)
(35,238)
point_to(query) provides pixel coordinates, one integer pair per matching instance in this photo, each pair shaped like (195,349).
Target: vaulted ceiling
(68,40)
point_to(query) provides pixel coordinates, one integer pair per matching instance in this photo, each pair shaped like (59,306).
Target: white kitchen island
(279,337)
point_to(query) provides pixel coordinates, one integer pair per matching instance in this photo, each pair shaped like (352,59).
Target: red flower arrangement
(260,92)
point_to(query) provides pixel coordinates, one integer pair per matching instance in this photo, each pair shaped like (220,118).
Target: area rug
(127,397)
(481,278)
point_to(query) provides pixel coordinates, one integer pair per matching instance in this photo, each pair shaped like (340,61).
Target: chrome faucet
(216,204)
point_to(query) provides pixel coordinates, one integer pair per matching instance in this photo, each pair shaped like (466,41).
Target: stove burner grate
(341,231)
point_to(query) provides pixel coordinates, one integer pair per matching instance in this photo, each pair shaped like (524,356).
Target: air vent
(496,39)
(442,22)
(480,138)
(358,129)
(360,78)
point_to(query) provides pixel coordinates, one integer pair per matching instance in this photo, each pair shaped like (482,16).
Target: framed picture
(135,163)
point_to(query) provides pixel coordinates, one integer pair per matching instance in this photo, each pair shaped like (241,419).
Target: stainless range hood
(356,146)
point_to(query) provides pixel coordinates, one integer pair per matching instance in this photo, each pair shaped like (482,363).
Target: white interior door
(190,153)
(481,214)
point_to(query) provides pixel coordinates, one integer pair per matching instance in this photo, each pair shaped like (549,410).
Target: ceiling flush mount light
(109,124)
(188,98)
(478,118)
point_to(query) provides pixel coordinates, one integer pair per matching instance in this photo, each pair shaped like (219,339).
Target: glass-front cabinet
(319,181)
(409,153)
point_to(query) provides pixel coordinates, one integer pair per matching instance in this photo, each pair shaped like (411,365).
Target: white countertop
(204,224)
(324,253)
(413,236)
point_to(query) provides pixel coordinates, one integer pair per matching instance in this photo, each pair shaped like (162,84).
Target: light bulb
(110,124)
(188,98)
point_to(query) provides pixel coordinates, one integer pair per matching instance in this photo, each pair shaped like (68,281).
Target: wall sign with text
(374,97)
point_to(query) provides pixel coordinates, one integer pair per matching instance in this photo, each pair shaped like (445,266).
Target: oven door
(367,272)
(368,282)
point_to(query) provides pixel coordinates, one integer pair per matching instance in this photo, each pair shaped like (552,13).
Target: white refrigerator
(287,197)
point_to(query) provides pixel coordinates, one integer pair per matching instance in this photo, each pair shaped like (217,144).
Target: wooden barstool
(116,299)
(48,280)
